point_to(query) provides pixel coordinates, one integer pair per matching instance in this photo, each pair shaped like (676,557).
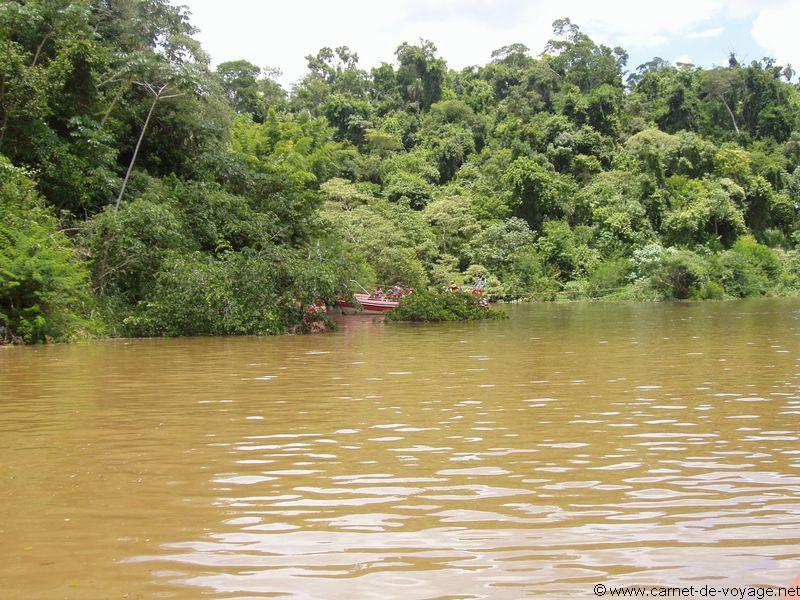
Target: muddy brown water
(624,444)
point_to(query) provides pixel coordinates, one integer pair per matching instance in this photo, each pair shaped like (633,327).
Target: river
(571,445)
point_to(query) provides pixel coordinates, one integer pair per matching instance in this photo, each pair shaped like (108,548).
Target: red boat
(370,305)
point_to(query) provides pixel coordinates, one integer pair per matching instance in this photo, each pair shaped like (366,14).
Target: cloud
(775,29)
(641,40)
(281,34)
(706,33)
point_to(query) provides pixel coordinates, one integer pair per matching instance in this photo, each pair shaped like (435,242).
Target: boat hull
(369,306)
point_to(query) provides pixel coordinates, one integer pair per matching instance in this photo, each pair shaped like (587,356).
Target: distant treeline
(143,192)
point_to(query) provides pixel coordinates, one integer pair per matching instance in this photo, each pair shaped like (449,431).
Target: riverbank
(327,325)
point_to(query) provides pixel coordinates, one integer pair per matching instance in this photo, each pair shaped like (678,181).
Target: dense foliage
(42,283)
(206,200)
(430,307)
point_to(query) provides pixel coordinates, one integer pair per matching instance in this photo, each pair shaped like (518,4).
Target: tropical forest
(145,191)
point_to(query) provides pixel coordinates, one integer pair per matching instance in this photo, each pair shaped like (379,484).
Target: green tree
(538,192)
(250,89)
(420,74)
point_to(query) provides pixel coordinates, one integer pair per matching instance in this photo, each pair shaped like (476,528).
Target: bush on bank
(43,286)
(442,306)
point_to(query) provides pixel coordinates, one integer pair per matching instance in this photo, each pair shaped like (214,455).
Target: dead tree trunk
(157,95)
(730,112)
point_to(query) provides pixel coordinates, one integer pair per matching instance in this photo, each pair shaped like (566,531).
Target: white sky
(281,34)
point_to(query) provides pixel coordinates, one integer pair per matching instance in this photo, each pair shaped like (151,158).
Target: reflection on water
(570,445)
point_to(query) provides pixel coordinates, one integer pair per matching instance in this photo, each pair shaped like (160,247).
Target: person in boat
(378,294)
(397,291)
(454,287)
(484,303)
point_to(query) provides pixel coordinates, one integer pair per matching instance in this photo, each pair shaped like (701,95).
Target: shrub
(126,248)
(645,260)
(567,249)
(531,277)
(248,292)
(446,306)
(678,274)
(790,277)
(197,295)
(573,290)
(710,291)
(750,268)
(43,286)
(608,277)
